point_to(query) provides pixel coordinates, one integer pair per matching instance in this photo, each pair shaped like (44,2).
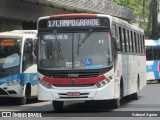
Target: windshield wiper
(85,38)
(57,44)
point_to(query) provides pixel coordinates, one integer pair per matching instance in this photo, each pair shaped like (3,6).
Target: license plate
(73,93)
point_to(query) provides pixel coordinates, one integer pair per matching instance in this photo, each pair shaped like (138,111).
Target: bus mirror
(29,45)
(29,49)
(116,46)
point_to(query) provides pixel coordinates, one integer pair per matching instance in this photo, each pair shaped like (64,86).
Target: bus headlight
(12,82)
(45,84)
(104,82)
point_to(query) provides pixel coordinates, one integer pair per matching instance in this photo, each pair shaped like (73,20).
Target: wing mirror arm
(116,46)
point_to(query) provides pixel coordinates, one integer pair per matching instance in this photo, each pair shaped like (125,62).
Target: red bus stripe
(73,15)
(78,81)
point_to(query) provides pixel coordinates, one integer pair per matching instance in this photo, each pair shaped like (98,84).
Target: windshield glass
(152,53)
(80,50)
(9,52)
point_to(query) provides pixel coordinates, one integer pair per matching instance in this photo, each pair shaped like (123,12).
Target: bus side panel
(129,67)
(143,75)
(30,76)
(153,68)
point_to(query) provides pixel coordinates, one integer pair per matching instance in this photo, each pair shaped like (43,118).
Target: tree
(145,14)
(154,13)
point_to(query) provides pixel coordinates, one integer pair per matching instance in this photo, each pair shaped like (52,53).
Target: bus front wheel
(57,105)
(22,101)
(115,103)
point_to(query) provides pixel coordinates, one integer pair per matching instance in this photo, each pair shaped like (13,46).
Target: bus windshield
(9,52)
(75,50)
(152,53)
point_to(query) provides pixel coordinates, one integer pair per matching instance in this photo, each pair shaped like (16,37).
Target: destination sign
(64,23)
(74,23)
(7,42)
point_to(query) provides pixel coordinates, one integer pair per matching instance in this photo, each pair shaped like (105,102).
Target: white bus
(18,68)
(89,57)
(153,60)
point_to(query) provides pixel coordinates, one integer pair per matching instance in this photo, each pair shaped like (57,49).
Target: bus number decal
(68,64)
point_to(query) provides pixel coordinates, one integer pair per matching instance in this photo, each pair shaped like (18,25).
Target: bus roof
(83,15)
(18,33)
(152,42)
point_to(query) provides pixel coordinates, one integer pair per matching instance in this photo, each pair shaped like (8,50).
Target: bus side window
(114,30)
(27,54)
(135,40)
(143,45)
(139,44)
(34,51)
(130,41)
(123,40)
(120,37)
(149,55)
(126,40)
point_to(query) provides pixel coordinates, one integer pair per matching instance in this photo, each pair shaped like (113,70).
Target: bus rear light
(104,82)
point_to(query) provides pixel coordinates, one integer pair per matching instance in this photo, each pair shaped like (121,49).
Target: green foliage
(141,11)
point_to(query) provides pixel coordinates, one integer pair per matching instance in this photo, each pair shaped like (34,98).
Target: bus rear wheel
(135,96)
(57,105)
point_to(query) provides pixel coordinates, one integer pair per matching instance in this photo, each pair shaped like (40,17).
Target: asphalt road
(149,102)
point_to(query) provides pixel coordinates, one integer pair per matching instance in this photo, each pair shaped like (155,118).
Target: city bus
(18,67)
(153,60)
(89,57)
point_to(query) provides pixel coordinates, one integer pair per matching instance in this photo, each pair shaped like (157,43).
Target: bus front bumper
(84,93)
(11,91)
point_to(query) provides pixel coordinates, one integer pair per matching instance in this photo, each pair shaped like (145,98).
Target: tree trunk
(144,11)
(154,19)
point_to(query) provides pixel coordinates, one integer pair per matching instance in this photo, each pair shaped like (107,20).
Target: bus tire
(135,96)
(117,102)
(22,101)
(57,105)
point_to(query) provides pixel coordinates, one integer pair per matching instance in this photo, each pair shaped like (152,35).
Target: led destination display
(87,22)
(73,23)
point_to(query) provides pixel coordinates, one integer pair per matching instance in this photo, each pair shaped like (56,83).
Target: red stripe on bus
(77,81)
(73,15)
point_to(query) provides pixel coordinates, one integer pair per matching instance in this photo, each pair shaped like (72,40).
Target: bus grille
(11,92)
(74,75)
(88,85)
(3,92)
